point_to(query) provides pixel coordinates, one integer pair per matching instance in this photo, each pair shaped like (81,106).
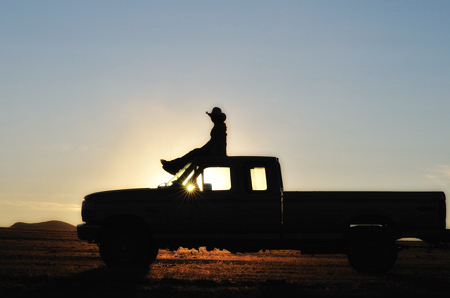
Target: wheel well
(374,224)
(118,221)
(373,220)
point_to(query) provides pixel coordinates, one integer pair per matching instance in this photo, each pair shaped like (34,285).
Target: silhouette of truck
(238,204)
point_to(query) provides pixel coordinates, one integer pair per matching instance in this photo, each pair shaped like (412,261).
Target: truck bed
(412,213)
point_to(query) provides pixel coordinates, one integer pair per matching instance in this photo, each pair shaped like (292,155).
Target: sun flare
(190,187)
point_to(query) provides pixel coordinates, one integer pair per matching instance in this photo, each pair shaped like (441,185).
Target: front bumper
(89,232)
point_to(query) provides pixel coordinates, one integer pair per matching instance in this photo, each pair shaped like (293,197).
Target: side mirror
(207,187)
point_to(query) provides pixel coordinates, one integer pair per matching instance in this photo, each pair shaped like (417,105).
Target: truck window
(258,178)
(218,178)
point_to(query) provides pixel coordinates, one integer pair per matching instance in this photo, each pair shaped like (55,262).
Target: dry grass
(57,264)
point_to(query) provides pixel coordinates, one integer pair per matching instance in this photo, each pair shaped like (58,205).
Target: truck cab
(233,200)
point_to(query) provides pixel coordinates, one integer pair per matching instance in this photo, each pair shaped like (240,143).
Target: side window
(215,178)
(258,179)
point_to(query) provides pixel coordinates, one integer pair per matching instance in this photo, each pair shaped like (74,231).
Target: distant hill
(48,225)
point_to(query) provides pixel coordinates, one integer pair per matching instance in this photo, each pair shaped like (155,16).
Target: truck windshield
(177,176)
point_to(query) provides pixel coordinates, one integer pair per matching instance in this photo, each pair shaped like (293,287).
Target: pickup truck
(238,204)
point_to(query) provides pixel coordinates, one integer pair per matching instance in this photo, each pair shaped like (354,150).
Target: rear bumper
(88,232)
(446,236)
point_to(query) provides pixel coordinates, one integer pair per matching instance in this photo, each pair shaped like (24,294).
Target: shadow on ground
(91,283)
(139,283)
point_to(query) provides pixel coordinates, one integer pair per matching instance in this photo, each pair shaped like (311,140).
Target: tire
(127,247)
(372,255)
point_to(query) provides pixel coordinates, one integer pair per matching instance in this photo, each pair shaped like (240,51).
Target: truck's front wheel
(372,255)
(126,246)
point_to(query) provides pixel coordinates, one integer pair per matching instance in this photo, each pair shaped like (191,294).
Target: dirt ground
(46,263)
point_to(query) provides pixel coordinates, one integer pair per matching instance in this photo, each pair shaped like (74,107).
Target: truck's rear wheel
(372,255)
(127,246)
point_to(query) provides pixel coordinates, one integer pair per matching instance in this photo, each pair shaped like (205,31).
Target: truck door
(260,203)
(209,206)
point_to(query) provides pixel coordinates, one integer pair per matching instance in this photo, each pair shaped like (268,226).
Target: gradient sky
(350,95)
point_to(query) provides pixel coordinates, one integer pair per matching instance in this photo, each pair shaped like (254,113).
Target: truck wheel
(372,255)
(127,246)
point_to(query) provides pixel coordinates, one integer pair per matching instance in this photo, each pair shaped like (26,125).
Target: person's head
(217,115)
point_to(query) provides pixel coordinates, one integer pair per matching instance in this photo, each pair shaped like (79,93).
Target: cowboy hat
(217,112)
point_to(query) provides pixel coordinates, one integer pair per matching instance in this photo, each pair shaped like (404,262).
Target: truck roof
(238,158)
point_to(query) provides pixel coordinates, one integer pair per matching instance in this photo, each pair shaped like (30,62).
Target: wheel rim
(372,251)
(124,248)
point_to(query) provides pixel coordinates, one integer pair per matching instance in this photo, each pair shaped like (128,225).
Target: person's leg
(173,166)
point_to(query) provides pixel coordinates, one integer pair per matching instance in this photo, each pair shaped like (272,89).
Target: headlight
(87,210)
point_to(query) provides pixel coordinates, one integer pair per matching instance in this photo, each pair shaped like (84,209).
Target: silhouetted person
(216,146)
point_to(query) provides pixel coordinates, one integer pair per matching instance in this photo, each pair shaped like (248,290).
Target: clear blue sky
(350,95)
